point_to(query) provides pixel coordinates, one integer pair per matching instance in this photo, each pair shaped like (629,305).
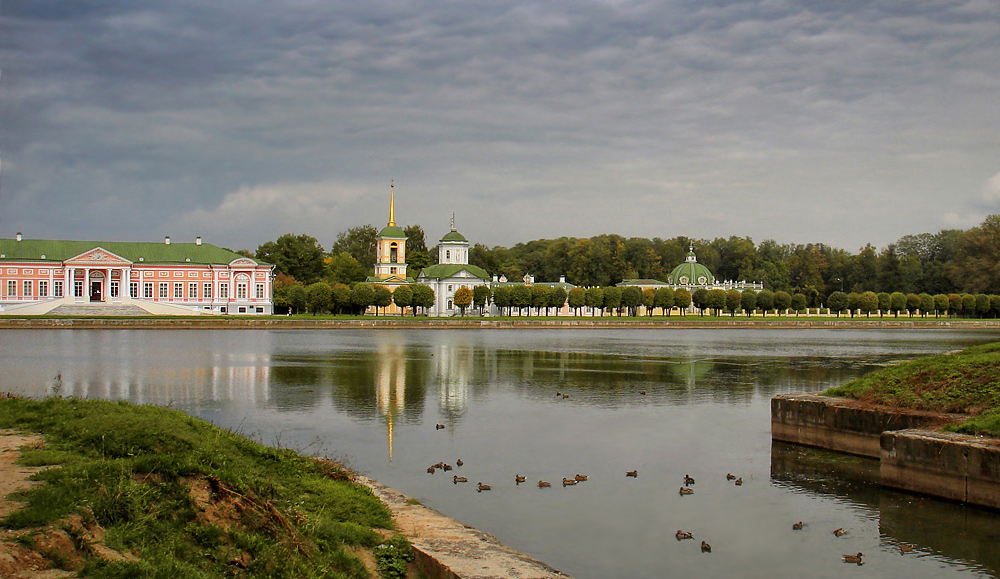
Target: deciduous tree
(423,297)
(463,298)
(359,242)
(300,256)
(577,298)
(748,301)
(799,303)
(595,299)
(765,300)
(631,299)
(665,299)
(381,298)
(362,296)
(782,301)
(318,297)
(403,298)
(682,299)
(837,302)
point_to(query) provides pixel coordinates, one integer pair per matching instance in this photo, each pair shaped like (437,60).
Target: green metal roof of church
(392,232)
(58,250)
(454,236)
(445,270)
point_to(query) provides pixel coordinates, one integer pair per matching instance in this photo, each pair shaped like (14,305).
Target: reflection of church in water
(450,368)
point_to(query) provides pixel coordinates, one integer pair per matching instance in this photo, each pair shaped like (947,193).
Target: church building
(451,272)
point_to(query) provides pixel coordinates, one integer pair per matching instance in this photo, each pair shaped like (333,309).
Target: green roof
(57,250)
(445,270)
(454,236)
(625,282)
(392,232)
(691,273)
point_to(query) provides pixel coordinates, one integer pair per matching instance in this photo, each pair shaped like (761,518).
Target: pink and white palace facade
(38,276)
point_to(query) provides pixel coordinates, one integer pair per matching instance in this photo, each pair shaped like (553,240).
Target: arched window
(447,254)
(393,252)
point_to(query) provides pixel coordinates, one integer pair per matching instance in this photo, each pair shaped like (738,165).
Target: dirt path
(16,561)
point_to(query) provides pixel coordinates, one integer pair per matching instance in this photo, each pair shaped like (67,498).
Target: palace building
(47,276)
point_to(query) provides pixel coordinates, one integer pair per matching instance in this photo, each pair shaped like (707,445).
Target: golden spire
(392,204)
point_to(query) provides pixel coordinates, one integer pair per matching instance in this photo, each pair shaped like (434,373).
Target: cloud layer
(838,122)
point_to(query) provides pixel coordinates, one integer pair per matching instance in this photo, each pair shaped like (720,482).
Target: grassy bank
(173,496)
(961,382)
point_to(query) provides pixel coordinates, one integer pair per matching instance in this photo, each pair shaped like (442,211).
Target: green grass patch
(962,382)
(188,498)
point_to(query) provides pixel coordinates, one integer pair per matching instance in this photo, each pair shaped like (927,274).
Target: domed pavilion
(691,273)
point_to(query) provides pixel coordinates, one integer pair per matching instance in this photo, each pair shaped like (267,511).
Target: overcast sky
(842,122)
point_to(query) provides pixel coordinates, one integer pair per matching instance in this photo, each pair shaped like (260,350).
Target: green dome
(691,273)
(392,232)
(454,236)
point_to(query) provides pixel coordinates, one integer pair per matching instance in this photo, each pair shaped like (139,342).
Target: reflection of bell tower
(390,248)
(390,386)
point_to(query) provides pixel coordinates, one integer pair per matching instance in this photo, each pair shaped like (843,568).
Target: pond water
(663,402)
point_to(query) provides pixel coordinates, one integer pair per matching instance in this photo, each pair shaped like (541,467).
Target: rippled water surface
(663,402)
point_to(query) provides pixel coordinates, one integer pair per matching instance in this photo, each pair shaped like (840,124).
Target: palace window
(78,288)
(447,255)
(260,291)
(241,291)
(224,291)
(57,289)
(164,288)
(27,288)
(178,291)
(147,290)
(206,291)
(193,290)
(133,289)
(392,270)
(43,289)
(12,288)
(114,289)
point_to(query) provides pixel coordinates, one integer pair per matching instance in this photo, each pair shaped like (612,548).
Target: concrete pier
(912,456)
(957,467)
(844,425)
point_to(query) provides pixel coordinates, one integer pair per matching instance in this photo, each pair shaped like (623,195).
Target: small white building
(451,272)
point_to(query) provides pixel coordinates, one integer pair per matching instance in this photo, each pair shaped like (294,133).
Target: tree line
(950,262)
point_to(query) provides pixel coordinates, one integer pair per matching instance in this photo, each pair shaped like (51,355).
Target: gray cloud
(839,122)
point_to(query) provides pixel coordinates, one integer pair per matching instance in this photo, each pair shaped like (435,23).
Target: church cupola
(453,247)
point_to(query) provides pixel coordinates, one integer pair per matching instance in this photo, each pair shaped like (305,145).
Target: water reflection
(662,402)
(950,531)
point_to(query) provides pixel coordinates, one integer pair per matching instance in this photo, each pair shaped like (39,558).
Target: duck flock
(685,489)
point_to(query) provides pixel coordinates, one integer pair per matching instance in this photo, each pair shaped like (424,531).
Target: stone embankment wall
(609,322)
(843,425)
(943,464)
(911,456)
(447,549)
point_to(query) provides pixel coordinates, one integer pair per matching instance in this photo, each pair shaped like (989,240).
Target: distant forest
(950,261)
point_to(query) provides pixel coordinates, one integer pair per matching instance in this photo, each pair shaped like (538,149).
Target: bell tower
(390,248)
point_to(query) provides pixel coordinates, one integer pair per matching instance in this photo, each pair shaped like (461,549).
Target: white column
(127,285)
(68,274)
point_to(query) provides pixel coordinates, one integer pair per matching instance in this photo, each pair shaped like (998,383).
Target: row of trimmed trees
(355,299)
(628,300)
(966,305)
